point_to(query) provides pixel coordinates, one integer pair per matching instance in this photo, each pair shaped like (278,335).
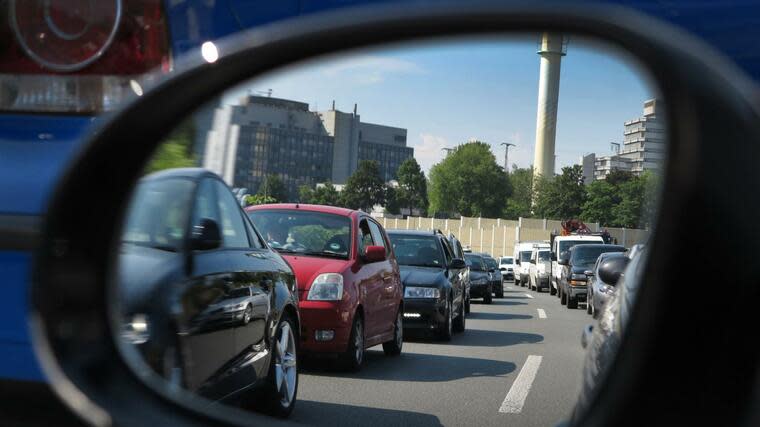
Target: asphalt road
(510,367)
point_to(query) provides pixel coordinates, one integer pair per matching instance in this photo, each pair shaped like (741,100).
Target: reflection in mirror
(258,238)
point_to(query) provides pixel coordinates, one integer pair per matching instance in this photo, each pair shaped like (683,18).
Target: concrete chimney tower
(552,48)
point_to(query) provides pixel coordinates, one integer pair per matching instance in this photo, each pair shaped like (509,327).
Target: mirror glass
(242,278)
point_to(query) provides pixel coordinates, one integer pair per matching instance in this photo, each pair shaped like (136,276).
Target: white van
(523,250)
(559,249)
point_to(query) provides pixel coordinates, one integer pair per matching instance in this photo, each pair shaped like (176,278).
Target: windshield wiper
(423,265)
(330,254)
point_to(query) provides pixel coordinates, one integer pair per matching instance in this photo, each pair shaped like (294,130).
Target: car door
(250,268)
(454,275)
(371,285)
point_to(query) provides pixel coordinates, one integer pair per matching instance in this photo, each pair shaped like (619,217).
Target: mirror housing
(457,264)
(589,272)
(374,253)
(554,256)
(205,236)
(611,268)
(563,261)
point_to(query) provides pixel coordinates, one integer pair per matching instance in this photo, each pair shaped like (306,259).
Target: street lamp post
(506,155)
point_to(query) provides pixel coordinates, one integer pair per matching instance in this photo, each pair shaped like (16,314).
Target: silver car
(599,291)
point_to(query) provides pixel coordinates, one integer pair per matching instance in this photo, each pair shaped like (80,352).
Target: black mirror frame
(710,99)
(205,236)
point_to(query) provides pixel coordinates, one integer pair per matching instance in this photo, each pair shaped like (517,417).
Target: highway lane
(512,366)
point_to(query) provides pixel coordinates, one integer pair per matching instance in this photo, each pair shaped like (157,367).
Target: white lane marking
(541,313)
(517,394)
(509,287)
(529,296)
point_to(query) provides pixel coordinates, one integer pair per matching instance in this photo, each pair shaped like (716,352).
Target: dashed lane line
(541,313)
(515,399)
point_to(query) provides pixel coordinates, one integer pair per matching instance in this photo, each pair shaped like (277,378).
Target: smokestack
(333,106)
(354,109)
(552,48)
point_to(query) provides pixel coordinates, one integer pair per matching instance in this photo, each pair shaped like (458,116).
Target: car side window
(256,241)
(446,251)
(232,226)
(365,236)
(205,206)
(377,235)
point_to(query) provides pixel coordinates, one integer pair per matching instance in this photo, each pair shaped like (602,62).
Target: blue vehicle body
(34,149)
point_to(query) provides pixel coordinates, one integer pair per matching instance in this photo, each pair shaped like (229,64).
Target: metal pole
(506,155)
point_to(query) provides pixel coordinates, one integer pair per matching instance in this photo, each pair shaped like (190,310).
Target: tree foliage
(274,188)
(258,199)
(562,196)
(364,188)
(469,182)
(621,200)
(412,187)
(325,194)
(176,151)
(519,204)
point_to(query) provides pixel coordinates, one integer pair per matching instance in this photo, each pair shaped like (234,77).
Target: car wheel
(500,290)
(589,304)
(562,296)
(445,330)
(247,314)
(467,306)
(487,298)
(279,396)
(517,282)
(572,302)
(354,355)
(459,323)
(552,291)
(393,347)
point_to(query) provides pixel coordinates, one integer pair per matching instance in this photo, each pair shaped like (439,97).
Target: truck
(574,232)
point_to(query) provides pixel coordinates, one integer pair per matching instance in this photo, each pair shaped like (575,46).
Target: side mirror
(563,261)
(205,236)
(517,262)
(374,253)
(588,273)
(491,270)
(586,335)
(611,268)
(457,264)
(554,256)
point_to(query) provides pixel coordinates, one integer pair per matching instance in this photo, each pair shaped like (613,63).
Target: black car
(204,301)
(434,293)
(495,277)
(456,247)
(480,280)
(602,340)
(578,260)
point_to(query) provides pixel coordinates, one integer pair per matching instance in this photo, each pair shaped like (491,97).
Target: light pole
(506,155)
(447,150)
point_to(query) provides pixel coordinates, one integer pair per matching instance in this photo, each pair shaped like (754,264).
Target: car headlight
(578,277)
(326,287)
(136,329)
(420,292)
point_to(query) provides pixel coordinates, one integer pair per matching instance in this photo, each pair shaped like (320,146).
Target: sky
(447,92)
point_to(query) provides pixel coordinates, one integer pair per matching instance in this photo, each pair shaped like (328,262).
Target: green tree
(258,199)
(412,186)
(602,197)
(519,204)
(273,187)
(562,196)
(364,188)
(638,198)
(176,151)
(325,194)
(469,182)
(393,200)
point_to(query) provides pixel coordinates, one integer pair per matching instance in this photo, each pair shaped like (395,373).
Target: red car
(349,288)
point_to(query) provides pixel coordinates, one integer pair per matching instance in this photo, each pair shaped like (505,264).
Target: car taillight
(78,56)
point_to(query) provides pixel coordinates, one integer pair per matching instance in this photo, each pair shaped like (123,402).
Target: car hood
(142,273)
(580,269)
(476,274)
(307,268)
(421,276)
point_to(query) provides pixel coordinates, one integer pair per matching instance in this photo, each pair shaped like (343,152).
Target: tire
(589,304)
(552,291)
(467,306)
(487,298)
(279,395)
(353,358)
(500,290)
(459,322)
(572,303)
(445,330)
(562,297)
(247,314)
(393,347)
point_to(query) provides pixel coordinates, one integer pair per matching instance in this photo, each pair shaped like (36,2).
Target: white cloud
(367,69)
(429,150)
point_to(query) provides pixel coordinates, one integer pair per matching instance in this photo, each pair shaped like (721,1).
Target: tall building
(264,135)
(643,145)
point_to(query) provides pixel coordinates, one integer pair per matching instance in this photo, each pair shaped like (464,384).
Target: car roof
(602,246)
(414,232)
(193,173)
(305,207)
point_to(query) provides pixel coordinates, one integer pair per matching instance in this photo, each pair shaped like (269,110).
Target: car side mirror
(563,261)
(205,236)
(491,270)
(554,257)
(588,273)
(612,268)
(374,254)
(457,264)
(517,262)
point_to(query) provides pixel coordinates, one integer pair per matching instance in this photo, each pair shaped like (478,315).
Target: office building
(643,146)
(264,135)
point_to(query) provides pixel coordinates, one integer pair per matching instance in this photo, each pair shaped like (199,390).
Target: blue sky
(446,92)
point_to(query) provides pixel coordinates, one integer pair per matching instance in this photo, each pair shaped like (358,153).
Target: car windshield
(507,260)
(491,263)
(240,292)
(418,251)
(544,256)
(565,245)
(525,256)
(158,213)
(587,256)
(305,232)
(475,262)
